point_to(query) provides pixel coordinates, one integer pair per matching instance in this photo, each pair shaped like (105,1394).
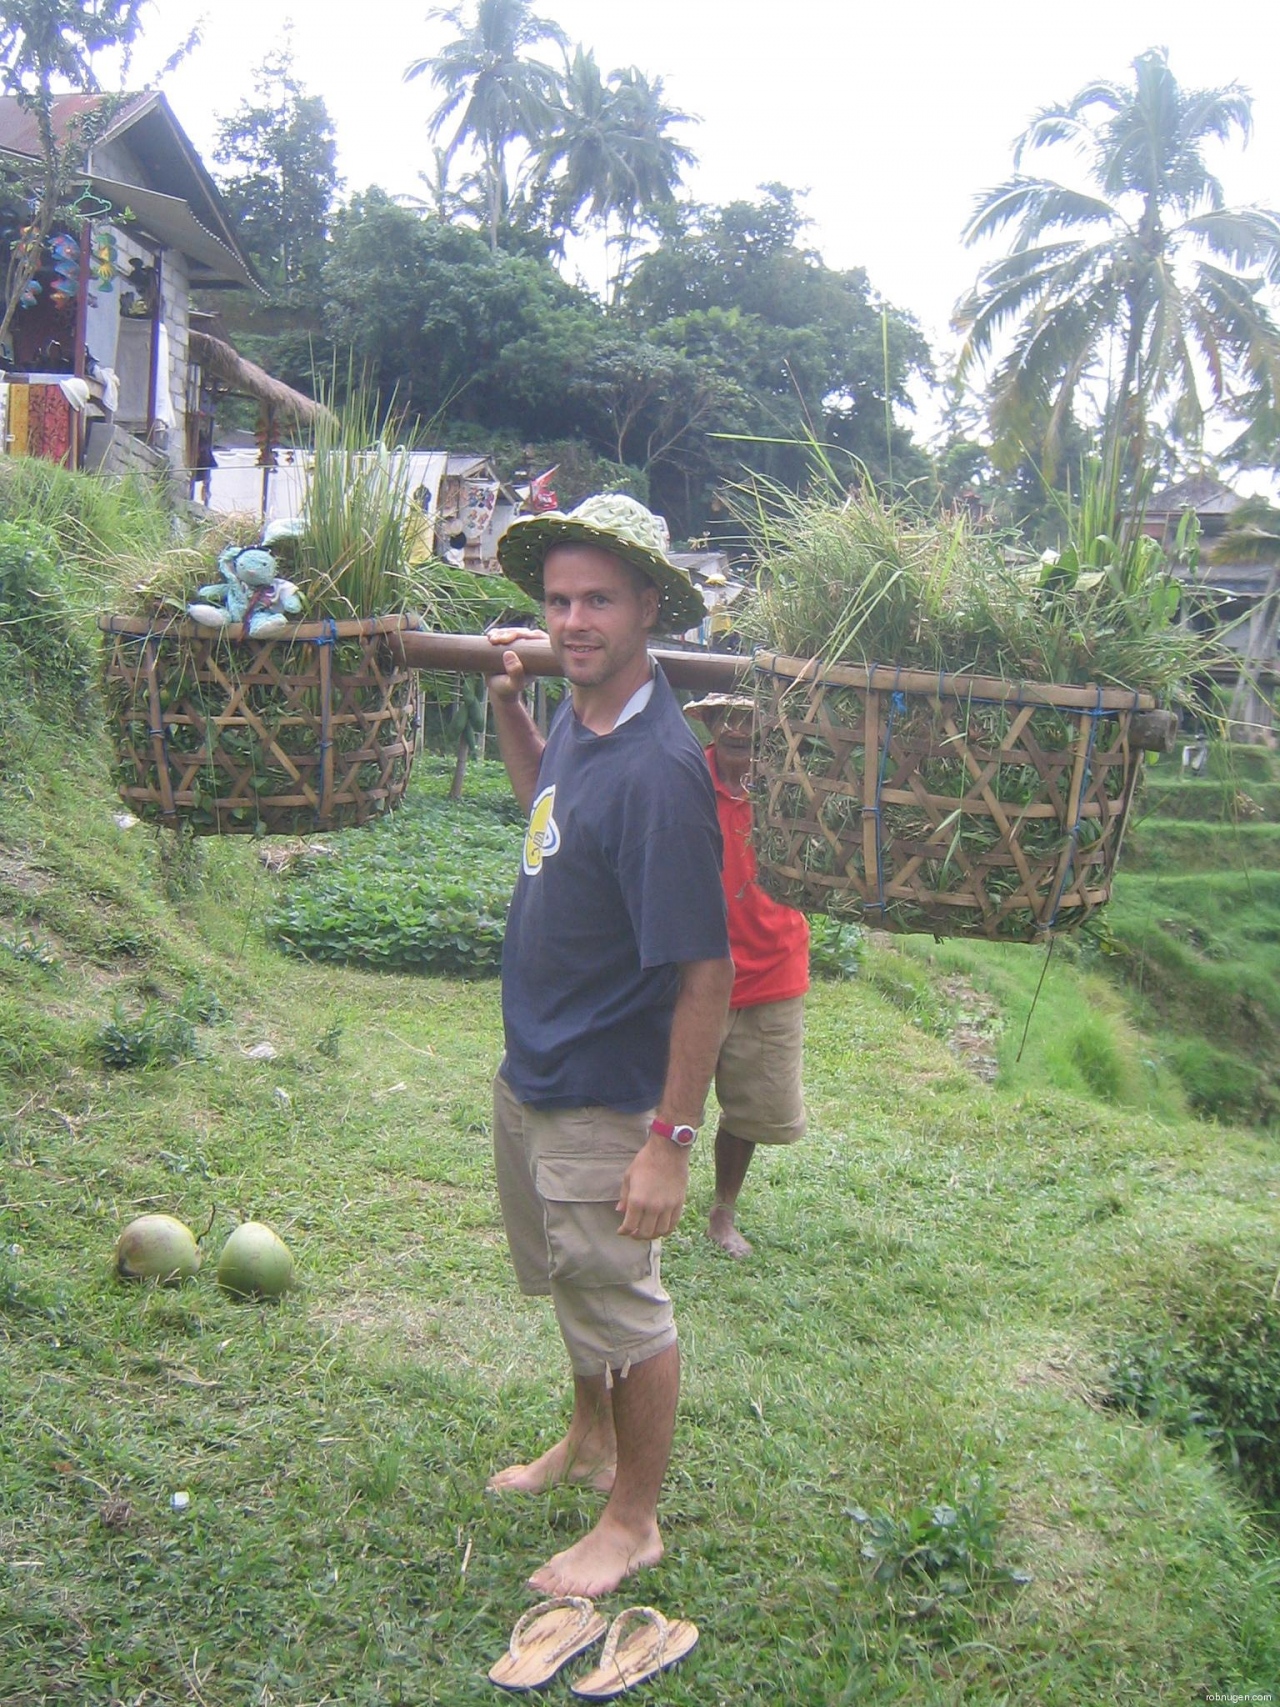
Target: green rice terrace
(991,1415)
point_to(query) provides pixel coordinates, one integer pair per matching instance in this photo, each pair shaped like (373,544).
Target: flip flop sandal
(644,1652)
(548,1636)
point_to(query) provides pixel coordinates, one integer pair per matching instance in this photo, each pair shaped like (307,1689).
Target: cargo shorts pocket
(579,1197)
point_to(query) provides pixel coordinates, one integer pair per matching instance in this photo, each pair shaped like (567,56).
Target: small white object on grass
(181,1500)
(261,1052)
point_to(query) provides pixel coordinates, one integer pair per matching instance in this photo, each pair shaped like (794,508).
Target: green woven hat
(614,523)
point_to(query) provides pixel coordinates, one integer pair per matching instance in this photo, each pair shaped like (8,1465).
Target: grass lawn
(944,1271)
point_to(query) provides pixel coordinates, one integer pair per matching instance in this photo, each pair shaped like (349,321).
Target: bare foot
(563,1462)
(726,1235)
(604,1557)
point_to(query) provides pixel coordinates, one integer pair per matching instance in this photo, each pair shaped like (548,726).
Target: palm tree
(608,149)
(1146,270)
(1254,537)
(502,96)
(655,158)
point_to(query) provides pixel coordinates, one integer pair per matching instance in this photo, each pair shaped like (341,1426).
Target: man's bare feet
(566,1461)
(721,1228)
(605,1557)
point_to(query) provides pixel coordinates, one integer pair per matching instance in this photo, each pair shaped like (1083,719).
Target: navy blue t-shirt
(619,883)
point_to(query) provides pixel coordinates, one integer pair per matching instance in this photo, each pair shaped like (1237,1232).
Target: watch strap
(681,1134)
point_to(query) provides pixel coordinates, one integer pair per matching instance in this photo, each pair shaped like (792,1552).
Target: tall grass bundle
(861,580)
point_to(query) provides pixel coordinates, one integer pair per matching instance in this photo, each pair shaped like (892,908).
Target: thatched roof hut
(229,370)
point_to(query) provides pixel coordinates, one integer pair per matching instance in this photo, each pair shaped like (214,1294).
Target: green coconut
(255,1262)
(157,1247)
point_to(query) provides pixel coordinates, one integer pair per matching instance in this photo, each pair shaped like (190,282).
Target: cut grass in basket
(966,811)
(362,532)
(857,579)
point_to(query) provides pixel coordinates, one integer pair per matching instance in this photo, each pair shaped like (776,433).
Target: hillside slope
(1044,1306)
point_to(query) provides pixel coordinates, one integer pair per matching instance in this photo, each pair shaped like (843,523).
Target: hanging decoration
(104,258)
(64,252)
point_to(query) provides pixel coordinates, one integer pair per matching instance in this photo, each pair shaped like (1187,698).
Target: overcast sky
(892,117)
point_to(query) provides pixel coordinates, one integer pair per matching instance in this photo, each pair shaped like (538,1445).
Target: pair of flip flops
(640,1643)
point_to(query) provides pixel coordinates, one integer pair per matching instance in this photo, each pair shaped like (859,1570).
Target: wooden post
(153,375)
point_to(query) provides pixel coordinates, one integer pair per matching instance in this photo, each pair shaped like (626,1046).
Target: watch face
(684,1136)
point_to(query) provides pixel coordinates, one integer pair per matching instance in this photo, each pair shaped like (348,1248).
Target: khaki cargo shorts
(559,1175)
(758,1073)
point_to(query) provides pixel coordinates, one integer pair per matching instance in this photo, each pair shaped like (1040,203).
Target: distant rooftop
(1199,492)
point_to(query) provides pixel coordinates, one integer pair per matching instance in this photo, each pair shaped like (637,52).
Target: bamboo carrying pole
(711,672)
(474,654)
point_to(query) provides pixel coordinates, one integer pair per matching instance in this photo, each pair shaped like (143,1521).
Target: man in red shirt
(758,1072)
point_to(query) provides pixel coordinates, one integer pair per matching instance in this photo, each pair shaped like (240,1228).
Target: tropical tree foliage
(282,179)
(498,94)
(609,150)
(686,380)
(1139,284)
(808,351)
(553,145)
(47,46)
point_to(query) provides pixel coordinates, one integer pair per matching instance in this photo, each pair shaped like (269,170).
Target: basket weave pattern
(957,805)
(312,728)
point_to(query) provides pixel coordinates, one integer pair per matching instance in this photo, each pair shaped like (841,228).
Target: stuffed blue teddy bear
(250,592)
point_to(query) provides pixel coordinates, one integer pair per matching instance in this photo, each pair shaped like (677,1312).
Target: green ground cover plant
(426,889)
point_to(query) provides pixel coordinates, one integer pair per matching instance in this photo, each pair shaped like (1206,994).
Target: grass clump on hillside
(46,662)
(1207,1358)
(1199,954)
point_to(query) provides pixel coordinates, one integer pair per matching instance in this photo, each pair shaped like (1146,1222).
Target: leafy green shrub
(939,1552)
(426,891)
(836,950)
(1208,1357)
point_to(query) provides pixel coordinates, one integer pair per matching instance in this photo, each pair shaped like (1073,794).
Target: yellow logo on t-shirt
(542,838)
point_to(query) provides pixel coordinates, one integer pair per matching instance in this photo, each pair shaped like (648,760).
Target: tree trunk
(1251,719)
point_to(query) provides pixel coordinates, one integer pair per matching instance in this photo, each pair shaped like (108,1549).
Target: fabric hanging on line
(19,398)
(49,431)
(164,400)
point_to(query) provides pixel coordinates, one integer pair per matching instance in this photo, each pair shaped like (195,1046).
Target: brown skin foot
(726,1235)
(605,1557)
(560,1464)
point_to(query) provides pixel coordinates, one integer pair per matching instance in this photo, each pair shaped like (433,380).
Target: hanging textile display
(50,424)
(19,415)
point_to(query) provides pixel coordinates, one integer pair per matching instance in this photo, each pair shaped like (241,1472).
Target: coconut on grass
(157,1247)
(255,1262)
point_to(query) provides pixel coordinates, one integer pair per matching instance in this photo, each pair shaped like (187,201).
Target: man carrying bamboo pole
(615,982)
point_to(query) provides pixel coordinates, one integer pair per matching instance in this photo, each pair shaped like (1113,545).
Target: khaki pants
(559,1176)
(758,1073)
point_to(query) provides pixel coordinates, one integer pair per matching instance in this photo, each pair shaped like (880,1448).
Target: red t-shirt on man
(769,942)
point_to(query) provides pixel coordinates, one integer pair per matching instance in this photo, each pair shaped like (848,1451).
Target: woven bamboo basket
(957,805)
(313,728)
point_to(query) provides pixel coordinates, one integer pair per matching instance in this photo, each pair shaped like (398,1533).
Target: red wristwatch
(681,1135)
